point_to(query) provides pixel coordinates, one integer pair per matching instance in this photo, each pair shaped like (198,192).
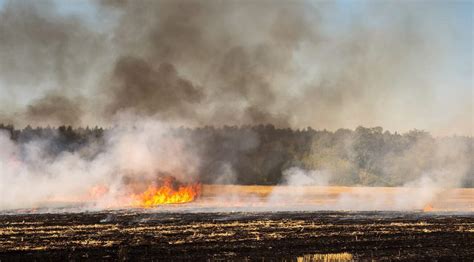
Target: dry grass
(456,199)
(335,257)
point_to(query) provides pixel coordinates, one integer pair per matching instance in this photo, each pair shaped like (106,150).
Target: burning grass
(167,193)
(170,195)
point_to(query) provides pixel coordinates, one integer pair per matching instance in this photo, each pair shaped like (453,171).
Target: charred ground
(145,235)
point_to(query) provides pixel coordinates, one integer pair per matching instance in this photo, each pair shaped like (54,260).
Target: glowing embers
(168,192)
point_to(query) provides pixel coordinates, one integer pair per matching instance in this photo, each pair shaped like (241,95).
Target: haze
(329,65)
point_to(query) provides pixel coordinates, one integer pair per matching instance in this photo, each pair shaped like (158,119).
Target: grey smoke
(147,90)
(209,62)
(56,109)
(291,63)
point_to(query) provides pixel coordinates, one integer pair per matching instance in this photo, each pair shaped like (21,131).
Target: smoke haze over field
(142,67)
(400,65)
(40,167)
(32,174)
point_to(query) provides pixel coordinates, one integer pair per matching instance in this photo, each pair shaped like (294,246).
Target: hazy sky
(396,64)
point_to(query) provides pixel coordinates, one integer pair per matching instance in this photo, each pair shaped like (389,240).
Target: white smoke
(137,149)
(142,149)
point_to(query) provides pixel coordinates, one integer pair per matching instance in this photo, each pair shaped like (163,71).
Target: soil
(262,236)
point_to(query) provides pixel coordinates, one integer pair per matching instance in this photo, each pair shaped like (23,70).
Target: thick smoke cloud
(55,109)
(291,63)
(149,91)
(202,39)
(41,50)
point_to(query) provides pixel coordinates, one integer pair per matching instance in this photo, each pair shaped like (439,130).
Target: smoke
(297,186)
(55,109)
(149,91)
(429,172)
(298,177)
(201,40)
(42,50)
(142,65)
(293,64)
(134,152)
(225,174)
(141,151)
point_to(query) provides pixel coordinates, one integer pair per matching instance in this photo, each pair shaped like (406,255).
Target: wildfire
(167,193)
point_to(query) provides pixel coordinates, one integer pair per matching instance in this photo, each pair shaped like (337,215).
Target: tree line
(260,154)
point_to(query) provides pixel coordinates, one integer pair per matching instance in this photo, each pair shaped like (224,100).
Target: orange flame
(428,208)
(166,194)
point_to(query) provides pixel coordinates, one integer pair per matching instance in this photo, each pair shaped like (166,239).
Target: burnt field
(262,236)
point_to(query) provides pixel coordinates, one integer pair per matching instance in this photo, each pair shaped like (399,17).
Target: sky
(420,51)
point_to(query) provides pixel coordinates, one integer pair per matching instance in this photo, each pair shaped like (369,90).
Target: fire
(428,208)
(167,193)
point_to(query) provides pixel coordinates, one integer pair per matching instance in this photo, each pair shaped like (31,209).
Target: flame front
(166,194)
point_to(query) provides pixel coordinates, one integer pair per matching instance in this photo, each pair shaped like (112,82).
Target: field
(294,198)
(240,226)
